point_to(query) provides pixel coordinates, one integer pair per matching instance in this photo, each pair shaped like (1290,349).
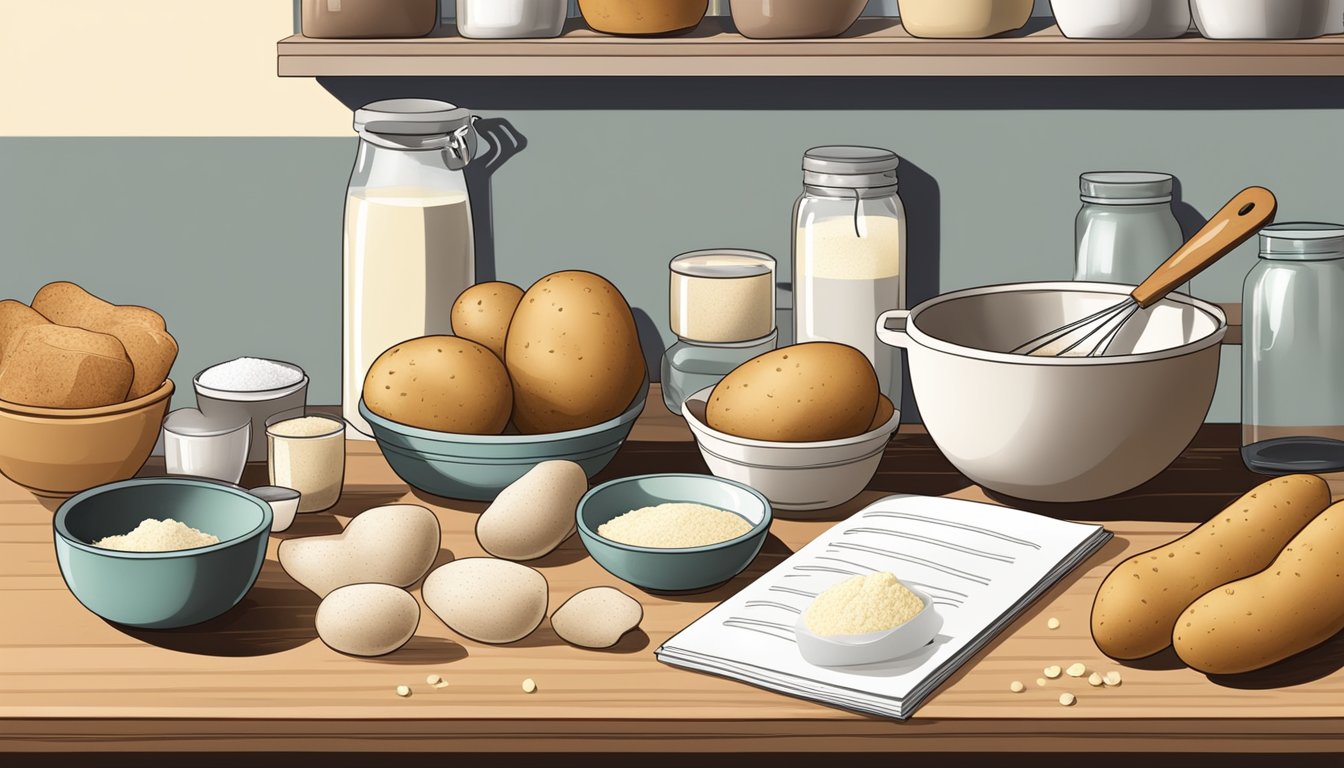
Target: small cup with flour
(251,388)
(307,454)
(722,309)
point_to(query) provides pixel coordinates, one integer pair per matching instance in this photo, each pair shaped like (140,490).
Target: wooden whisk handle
(1234,224)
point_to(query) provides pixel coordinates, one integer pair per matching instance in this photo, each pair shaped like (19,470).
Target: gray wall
(237,241)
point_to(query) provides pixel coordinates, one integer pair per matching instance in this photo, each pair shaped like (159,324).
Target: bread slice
(54,366)
(14,317)
(152,352)
(65,303)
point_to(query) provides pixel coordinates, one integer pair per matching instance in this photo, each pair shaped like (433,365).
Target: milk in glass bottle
(409,248)
(849,253)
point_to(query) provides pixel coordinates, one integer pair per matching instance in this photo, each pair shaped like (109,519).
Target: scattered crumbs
(1052,623)
(1076,670)
(1094,680)
(1040,681)
(436,681)
(529,686)
(1111,678)
(1052,671)
(1067,699)
(1016,686)
(403,691)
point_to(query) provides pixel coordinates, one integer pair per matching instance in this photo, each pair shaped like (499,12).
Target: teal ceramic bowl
(478,467)
(161,590)
(673,570)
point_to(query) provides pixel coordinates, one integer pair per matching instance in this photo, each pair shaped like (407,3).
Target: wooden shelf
(874,48)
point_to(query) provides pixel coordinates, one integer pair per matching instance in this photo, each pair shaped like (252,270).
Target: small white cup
(196,444)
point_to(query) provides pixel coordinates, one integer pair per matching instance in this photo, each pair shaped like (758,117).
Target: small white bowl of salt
(866,620)
(253,388)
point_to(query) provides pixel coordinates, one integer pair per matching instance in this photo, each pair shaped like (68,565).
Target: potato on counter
(483,312)
(573,354)
(1138,604)
(535,514)
(1294,604)
(394,544)
(367,619)
(802,393)
(493,601)
(442,383)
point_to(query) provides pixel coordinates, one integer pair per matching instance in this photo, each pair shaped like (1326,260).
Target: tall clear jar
(409,248)
(1292,367)
(849,245)
(1126,227)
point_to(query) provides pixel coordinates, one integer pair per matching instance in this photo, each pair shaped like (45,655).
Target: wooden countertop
(258,680)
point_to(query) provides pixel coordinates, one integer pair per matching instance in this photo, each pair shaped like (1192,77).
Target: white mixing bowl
(1058,429)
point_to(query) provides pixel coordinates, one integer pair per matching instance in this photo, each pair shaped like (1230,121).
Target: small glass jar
(1292,368)
(1126,227)
(849,253)
(307,453)
(722,309)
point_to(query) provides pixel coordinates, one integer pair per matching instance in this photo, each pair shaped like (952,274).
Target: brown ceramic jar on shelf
(643,17)
(776,19)
(369,18)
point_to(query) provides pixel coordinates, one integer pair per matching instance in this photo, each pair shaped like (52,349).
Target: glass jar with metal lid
(1126,227)
(849,253)
(1292,407)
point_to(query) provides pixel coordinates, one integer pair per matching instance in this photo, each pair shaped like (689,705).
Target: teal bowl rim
(628,415)
(62,512)
(757,529)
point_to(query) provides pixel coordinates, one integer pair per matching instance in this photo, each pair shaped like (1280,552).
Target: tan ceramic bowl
(776,19)
(643,17)
(963,18)
(60,451)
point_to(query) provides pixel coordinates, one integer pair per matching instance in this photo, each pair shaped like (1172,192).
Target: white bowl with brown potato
(804,425)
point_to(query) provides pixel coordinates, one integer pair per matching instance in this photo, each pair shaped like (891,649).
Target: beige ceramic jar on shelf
(963,18)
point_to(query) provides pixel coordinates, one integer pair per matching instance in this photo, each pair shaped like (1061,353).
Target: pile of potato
(363,572)
(71,349)
(1259,582)
(802,393)
(564,355)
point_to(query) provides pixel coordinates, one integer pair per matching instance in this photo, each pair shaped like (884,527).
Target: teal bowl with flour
(686,569)
(478,467)
(161,590)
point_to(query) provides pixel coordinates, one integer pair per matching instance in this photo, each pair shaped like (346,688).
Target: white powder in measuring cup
(251,374)
(158,536)
(723,297)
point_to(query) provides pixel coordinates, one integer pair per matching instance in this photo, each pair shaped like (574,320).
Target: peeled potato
(493,601)
(535,514)
(597,617)
(483,312)
(803,393)
(394,544)
(367,619)
(441,383)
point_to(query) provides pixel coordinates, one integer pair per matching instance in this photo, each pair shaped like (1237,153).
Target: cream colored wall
(155,68)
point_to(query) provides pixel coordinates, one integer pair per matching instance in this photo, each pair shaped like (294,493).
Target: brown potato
(1138,604)
(1292,605)
(573,354)
(885,410)
(441,383)
(483,312)
(803,393)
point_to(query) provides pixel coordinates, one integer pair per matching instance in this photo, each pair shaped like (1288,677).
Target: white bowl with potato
(804,425)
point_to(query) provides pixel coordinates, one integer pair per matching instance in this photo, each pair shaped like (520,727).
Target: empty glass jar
(1126,227)
(1292,364)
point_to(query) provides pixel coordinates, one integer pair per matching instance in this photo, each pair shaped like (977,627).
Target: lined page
(980,563)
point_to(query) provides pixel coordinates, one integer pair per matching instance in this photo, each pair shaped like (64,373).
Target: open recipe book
(982,564)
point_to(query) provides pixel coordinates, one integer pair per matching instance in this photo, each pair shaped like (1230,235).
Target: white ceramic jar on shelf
(1262,19)
(505,19)
(1122,19)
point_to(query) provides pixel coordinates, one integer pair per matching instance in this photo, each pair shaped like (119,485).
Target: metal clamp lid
(850,167)
(411,117)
